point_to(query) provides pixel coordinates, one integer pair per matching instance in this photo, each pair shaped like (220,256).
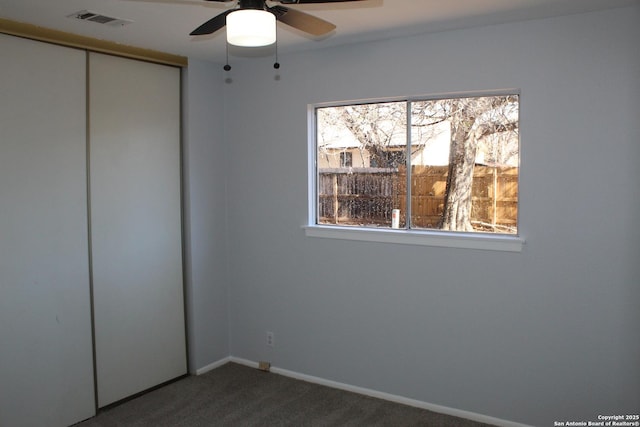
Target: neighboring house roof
(435,141)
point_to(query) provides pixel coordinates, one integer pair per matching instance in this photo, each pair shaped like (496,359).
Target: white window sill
(492,242)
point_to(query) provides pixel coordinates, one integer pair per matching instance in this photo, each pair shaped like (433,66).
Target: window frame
(410,236)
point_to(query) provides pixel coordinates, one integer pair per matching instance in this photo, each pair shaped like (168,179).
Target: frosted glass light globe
(251,28)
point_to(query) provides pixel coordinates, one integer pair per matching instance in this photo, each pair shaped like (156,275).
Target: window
(446,164)
(346,159)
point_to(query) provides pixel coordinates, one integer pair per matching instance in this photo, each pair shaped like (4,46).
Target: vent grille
(87,15)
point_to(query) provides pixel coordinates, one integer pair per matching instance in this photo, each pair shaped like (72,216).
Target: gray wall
(205,214)
(547,334)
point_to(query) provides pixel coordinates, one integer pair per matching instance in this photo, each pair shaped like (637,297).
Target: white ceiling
(165,24)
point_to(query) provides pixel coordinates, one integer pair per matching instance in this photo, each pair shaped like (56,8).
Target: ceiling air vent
(87,15)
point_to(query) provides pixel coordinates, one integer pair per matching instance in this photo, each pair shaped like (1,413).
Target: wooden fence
(366,196)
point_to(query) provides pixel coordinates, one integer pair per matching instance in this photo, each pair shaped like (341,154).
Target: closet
(91,294)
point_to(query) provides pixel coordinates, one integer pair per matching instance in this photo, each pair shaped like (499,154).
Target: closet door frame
(51,365)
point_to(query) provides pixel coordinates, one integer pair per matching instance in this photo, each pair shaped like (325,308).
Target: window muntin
(453,163)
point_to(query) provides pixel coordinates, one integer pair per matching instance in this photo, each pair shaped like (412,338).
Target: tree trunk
(457,200)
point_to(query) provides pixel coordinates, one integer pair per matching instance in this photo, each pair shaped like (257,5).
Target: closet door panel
(135,225)
(46,362)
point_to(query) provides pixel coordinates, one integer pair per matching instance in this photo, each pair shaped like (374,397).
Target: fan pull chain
(276,65)
(227,67)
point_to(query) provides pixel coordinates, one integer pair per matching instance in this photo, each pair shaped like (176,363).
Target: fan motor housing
(252,4)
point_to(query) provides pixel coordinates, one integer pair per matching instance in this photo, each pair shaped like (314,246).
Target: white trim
(423,97)
(311,164)
(212,366)
(493,242)
(385,396)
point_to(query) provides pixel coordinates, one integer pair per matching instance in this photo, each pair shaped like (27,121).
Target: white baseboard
(385,396)
(214,365)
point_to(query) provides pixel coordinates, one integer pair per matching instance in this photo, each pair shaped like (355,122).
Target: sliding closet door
(135,225)
(46,363)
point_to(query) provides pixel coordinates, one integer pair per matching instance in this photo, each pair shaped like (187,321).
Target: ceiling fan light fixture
(251,28)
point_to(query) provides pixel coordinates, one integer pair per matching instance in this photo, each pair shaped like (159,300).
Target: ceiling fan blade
(312,1)
(302,21)
(212,25)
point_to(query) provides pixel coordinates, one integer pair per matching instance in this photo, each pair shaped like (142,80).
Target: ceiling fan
(294,18)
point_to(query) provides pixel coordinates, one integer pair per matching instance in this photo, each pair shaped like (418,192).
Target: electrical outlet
(271,339)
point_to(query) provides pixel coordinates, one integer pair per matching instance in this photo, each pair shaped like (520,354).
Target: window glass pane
(361,164)
(464,164)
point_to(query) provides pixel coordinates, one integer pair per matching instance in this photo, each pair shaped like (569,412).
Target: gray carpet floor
(236,395)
